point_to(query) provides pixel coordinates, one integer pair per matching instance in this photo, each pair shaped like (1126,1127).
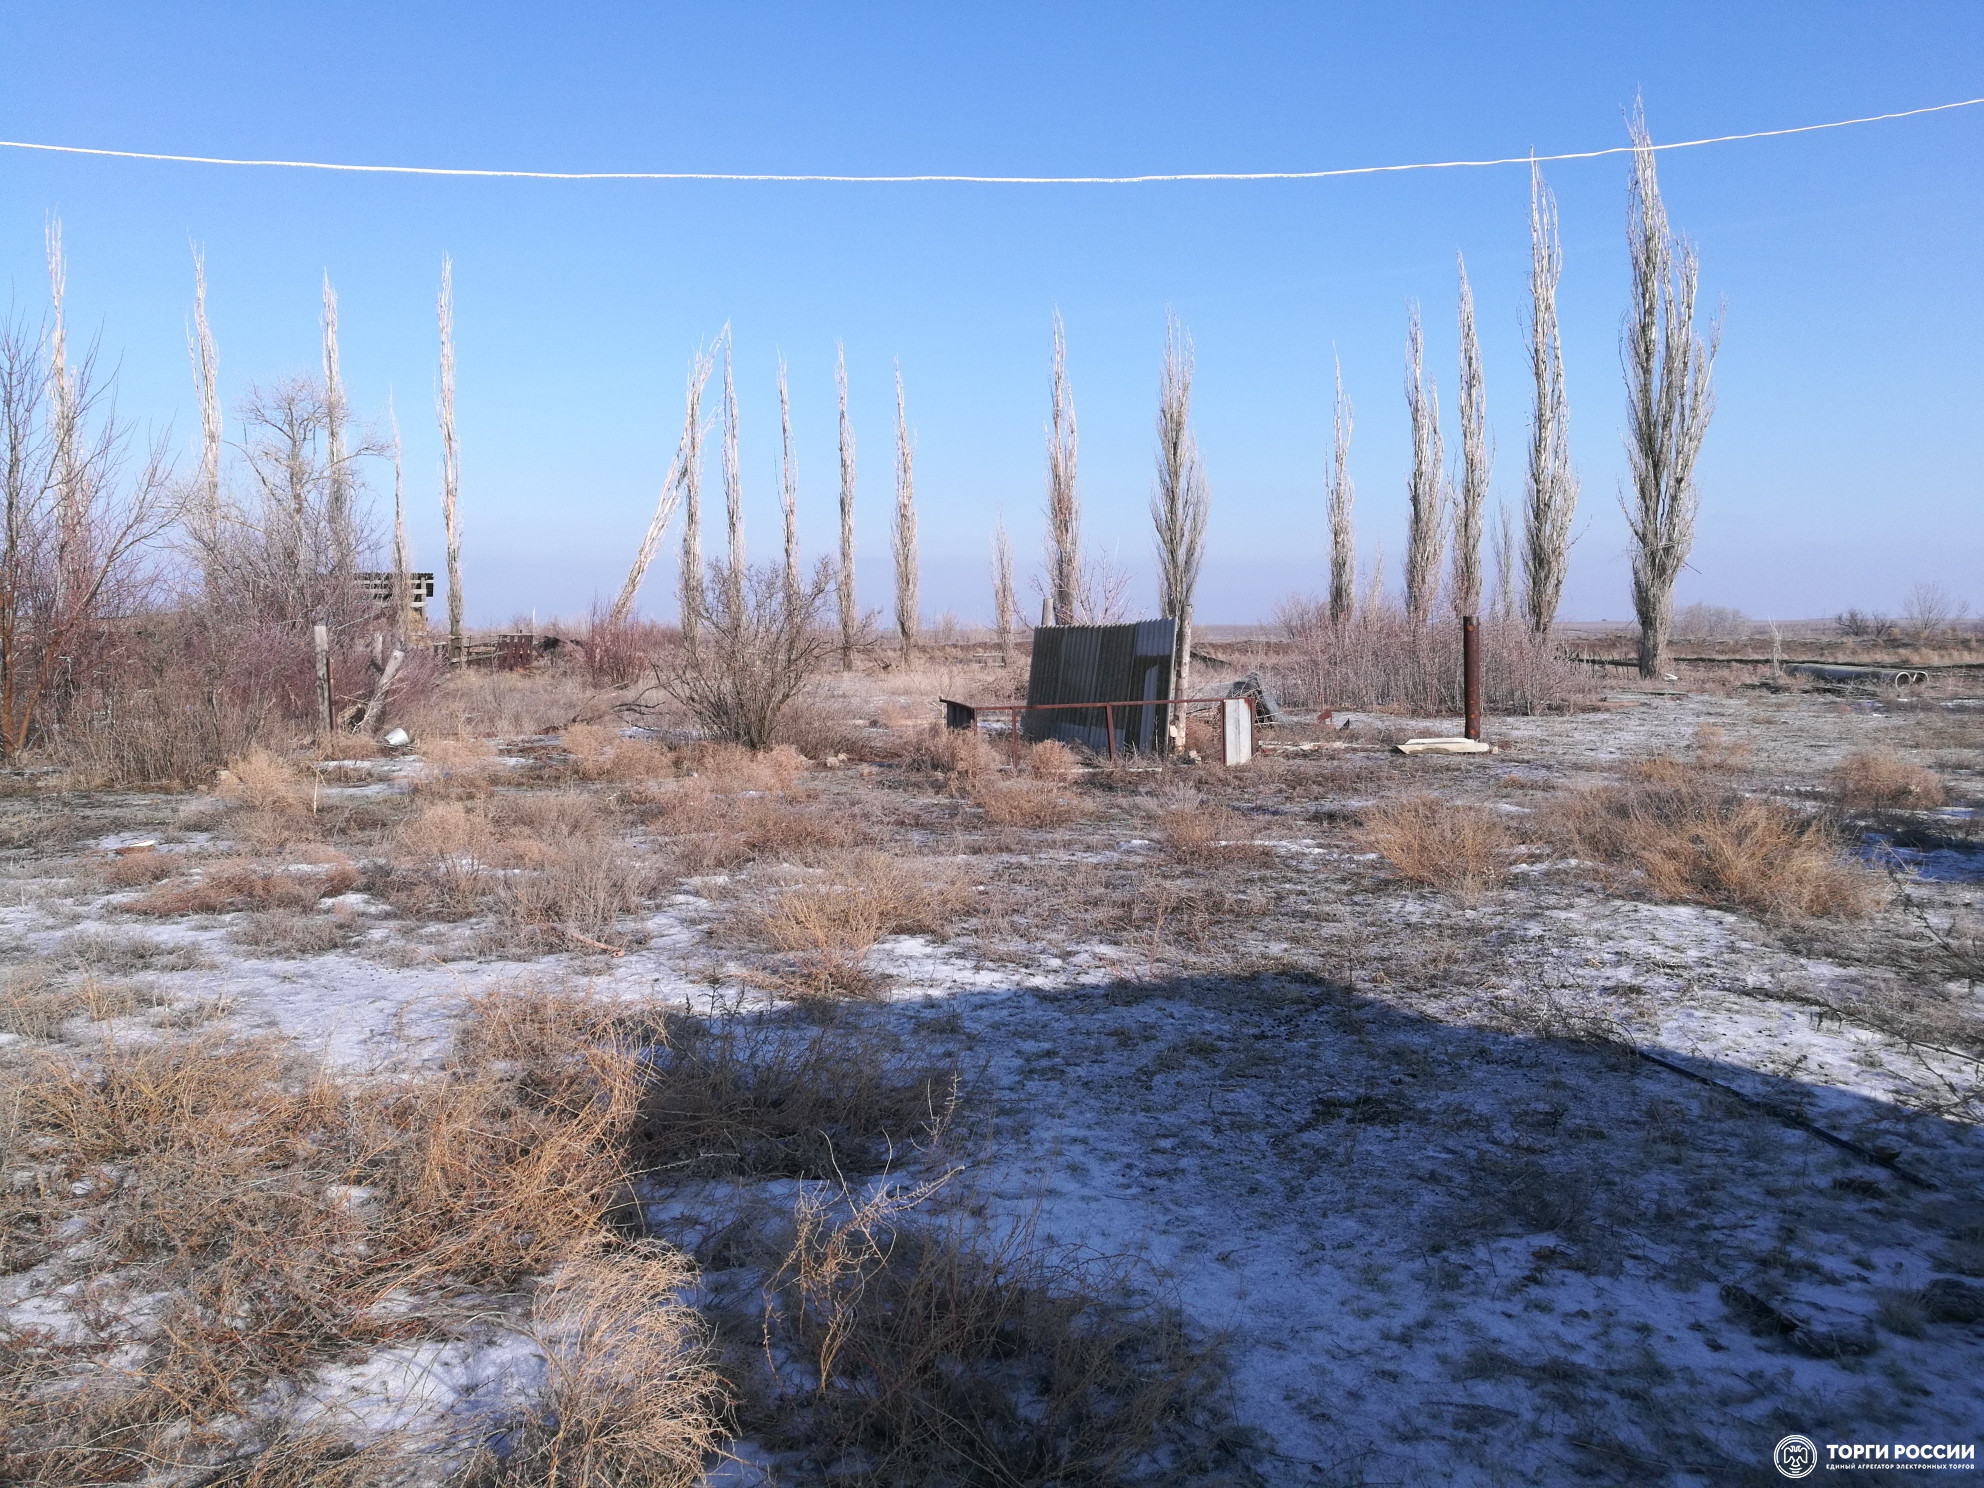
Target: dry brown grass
(1684,832)
(1868,780)
(458,768)
(765,1098)
(1450,845)
(714,829)
(274,1206)
(631,1399)
(957,1349)
(1028,803)
(138,869)
(1205,835)
(827,927)
(549,868)
(600,753)
(292,932)
(1050,759)
(235,884)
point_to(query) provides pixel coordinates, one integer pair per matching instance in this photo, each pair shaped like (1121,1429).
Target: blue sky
(1844,463)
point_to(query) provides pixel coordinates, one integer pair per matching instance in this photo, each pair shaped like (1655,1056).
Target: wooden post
(1470,675)
(378,700)
(320,636)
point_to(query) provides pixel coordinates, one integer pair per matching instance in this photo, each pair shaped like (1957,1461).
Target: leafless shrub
(1868,780)
(1447,844)
(1003,609)
(1050,759)
(1669,400)
(1864,625)
(1707,622)
(1383,661)
(958,1349)
(753,652)
(1930,610)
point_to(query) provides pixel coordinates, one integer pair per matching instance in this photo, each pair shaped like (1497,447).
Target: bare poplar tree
(64,418)
(1426,489)
(1003,609)
(905,535)
(343,523)
(788,483)
(1668,400)
(1343,550)
(692,600)
(1064,569)
(402,579)
(451,458)
(1552,496)
(1505,563)
(671,490)
(733,485)
(1179,505)
(850,616)
(1476,456)
(205,514)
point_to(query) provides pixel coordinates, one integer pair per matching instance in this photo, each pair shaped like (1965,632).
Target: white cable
(1317,175)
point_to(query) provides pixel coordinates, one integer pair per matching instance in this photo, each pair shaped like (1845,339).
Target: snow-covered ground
(1409,1158)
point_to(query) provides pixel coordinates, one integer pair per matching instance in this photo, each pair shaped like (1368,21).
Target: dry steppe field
(564,1103)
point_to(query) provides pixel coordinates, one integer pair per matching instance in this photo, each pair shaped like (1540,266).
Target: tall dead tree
(788,483)
(1003,609)
(1552,495)
(64,421)
(671,490)
(1064,515)
(1180,503)
(338,497)
(690,596)
(451,458)
(733,485)
(1476,455)
(1426,487)
(1669,399)
(850,615)
(402,576)
(1343,550)
(204,515)
(905,533)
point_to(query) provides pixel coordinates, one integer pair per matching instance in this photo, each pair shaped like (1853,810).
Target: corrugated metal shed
(1102,664)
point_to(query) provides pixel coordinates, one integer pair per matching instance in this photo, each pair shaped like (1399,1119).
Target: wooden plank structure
(379,587)
(1079,668)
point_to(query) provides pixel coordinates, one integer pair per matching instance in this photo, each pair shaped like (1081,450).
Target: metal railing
(961,716)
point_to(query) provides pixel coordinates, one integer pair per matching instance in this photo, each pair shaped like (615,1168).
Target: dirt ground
(1544,1177)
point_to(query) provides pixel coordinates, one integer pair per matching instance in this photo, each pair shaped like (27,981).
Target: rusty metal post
(1470,674)
(1109,728)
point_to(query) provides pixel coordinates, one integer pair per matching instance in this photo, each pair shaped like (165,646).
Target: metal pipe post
(1470,674)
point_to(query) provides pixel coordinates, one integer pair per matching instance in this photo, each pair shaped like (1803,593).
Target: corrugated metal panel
(1102,664)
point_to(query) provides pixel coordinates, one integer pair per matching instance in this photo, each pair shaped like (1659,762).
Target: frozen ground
(1408,1157)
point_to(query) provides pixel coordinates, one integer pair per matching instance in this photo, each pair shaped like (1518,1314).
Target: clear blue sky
(1846,460)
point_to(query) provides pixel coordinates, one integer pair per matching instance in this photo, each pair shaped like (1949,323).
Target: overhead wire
(792,177)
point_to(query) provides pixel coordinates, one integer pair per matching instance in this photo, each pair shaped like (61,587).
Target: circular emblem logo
(1795,1456)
